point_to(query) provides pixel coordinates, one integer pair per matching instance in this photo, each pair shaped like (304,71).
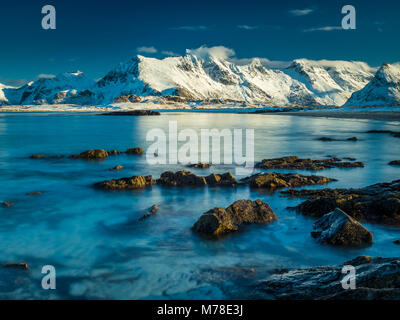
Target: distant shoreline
(376,115)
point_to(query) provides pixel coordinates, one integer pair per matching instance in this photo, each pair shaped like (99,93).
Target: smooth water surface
(98,248)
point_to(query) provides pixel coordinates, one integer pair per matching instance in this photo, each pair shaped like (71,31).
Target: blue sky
(94,36)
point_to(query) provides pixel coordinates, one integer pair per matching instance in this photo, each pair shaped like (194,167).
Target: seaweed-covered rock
(135,182)
(219,221)
(339,229)
(273,180)
(296,163)
(379,203)
(376,279)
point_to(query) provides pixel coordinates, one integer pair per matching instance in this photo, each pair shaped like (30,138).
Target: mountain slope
(383,89)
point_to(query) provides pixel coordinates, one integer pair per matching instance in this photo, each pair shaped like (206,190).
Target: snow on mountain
(4,93)
(331,82)
(208,77)
(51,90)
(383,89)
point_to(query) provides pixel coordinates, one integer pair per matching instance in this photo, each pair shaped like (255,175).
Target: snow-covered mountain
(190,77)
(50,90)
(4,93)
(383,89)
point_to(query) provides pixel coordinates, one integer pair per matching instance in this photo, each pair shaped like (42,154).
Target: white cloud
(327,28)
(146,49)
(217,52)
(45,76)
(301,12)
(190,28)
(247,27)
(169,53)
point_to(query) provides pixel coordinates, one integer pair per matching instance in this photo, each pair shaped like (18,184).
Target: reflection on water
(100,251)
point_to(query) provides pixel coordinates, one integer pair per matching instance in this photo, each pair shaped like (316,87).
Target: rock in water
(152,211)
(116,168)
(377,278)
(91,155)
(181,178)
(135,182)
(21,265)
(7,204)
(395,163)
(219,221)
(134,151)
(339,229)
(274,180)
(200,165)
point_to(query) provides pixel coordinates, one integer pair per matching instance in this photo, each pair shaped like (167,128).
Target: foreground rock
(339,229)
(96,154)
(132,113)
(296,163)
(219,221)
(379,203)
(273,180)
(395,163)
(152,211)
(187,178)
(376,279)
(135,182)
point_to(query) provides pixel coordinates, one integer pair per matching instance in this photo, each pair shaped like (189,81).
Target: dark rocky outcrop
(7,204)
(219,221)
(116,168)
(339,229)
(132,113)
(379,203)
(135,182)
(273,180)
(138,151)
(97,154)
(20,265)
(396,242)
(34,193)
(296,163)
(152,211)
(376,279)
(392,133)
(181,178)
(200,165)
(128,98)
(395,163)
(187,178)
(43,156)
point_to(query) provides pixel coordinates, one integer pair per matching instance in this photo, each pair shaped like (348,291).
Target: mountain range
(192,78)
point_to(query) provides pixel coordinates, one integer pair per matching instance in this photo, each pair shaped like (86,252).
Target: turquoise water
(99,251)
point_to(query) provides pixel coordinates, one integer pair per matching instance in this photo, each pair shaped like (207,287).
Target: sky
(95,35)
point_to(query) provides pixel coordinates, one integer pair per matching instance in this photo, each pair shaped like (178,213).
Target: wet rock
(379,203)
(393,133)
(34,193)
(138,151)
(219,221)
(181,178)
(396,242)
(152,211)
(326,139)
(91,155)
(339,229)
(21,265)
(200,165)
(113,152)
(116,168)
(377,279)
(352,139)
(225,179)
(43,156)
(135,182)
(350,159)
(395,163)
(7,204)
(296,163)
(133,113)
(273,180)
